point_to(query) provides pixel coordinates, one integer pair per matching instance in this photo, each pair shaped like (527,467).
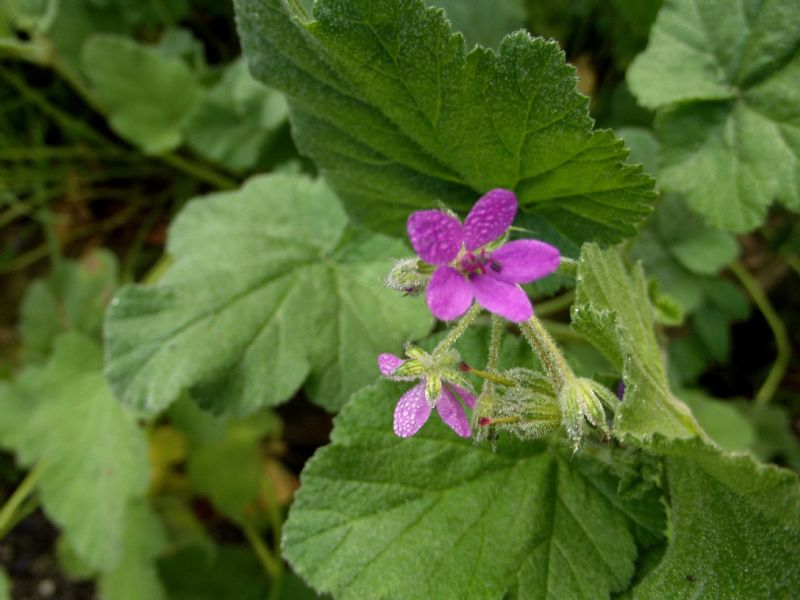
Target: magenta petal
(452,413)
(434,235)
(523,261)
(491,216)
(465,395)
(449,294)
(505,299)
(388,363)
(411,412)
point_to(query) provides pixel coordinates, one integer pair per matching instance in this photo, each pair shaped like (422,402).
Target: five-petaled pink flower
(414,407)
(467,268)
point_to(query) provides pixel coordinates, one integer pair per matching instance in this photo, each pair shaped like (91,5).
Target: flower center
(472,263)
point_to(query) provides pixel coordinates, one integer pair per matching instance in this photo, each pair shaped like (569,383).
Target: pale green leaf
(386,99)
(147,96)
(92,455)
(721,420)
(136,576)
(268,286)
(31,15)
(612,310)
(727,80)
(72,298)
(229,470)
(484,23)
(434,516)
(735,527)
(236,119)
(680,252)
(706,252)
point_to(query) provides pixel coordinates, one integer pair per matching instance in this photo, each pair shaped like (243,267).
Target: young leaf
(727,82)
(612,310)
(386,99)
(136,576)
(72,298)
(93,457)
(735,527)
(268,285)
(434,516)
(236,119)
(148,96)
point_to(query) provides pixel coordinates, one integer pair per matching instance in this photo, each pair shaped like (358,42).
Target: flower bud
(408,275)
(579,400)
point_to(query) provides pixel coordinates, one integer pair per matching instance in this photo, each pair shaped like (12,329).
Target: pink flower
(414,407)
(469,268)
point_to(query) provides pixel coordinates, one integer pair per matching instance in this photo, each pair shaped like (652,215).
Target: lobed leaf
(147,95)
(92,455)
(735,527)
(269,288)
(612,310)
(434,516)
(726,81)
(398,115)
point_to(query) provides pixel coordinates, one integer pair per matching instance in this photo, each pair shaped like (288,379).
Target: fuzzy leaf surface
(93,456)
(398,115)
(726,79)
(269,288)
(612,310)
(735,527)
(434,516)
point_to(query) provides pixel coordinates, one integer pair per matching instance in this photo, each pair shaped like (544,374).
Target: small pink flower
(468,269)
(414,408)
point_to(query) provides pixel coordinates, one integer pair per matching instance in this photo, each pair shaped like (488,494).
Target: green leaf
(136,576)
(721,420)
(735,527)
(728,86)
(269,287)
(236,119)
(484,23)
(229,470)
(434,516)
(72,298)
(229,572)
(93,457)
(680,252)
(148,96)
(31,15)
(706,252)
(386,99)
(612,310)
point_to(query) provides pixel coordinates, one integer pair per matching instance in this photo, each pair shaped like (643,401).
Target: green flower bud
(409,275)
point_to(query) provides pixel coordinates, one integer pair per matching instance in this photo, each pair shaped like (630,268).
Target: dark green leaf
(434,516)
(398,115)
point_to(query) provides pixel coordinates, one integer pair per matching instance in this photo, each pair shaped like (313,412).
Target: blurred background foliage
(113,113)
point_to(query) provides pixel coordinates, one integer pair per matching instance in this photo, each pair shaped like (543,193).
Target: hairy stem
(492,377)
(458,330)
(784,349)
(548,352)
